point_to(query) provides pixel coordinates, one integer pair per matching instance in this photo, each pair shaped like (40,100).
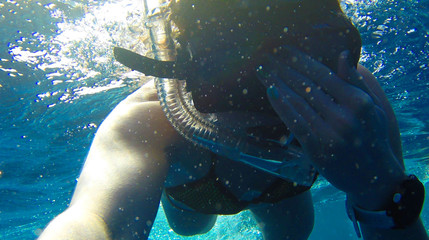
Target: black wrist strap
(403,210)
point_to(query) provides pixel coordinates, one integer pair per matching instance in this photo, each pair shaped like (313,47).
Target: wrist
(403,208)
(381,181)
(377,195)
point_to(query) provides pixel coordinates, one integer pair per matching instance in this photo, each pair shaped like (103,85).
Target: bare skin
(120,187)
(345,124)
(136,153)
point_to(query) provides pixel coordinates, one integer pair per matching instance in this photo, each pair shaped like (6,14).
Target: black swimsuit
(209,196)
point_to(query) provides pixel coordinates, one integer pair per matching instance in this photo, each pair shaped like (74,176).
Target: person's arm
(345,126)
(119,189)
(414,231)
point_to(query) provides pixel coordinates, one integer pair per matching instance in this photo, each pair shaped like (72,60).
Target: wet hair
(224,39)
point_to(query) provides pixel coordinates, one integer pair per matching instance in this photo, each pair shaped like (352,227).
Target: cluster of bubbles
(72,48)
(78,48)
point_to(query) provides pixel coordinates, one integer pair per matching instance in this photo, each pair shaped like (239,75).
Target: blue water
(58,81)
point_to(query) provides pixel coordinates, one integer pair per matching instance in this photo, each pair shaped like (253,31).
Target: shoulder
(374,86)
(140,117)
(368,77)
(146,93)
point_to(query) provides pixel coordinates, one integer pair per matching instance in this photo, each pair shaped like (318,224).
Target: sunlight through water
(59,80)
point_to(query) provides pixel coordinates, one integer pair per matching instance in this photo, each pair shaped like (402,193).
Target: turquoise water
(58,81)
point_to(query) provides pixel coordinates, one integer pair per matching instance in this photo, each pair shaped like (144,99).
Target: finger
(295,112)
(322,103)
(320,74)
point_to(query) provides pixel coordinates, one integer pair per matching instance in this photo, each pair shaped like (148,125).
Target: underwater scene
(59,80)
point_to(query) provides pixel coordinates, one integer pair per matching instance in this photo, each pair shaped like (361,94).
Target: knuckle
(323,75)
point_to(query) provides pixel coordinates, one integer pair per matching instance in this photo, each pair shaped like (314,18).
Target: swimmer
(259,98)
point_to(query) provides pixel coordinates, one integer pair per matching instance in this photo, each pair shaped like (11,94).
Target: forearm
(415,231)
(119,189)
(76,224)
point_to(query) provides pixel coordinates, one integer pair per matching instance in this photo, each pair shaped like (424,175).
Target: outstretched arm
(346,127)
(119,189)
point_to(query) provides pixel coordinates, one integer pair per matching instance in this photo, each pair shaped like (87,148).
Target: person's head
(225,39)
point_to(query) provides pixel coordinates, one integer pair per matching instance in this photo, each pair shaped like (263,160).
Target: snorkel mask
(201,85)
